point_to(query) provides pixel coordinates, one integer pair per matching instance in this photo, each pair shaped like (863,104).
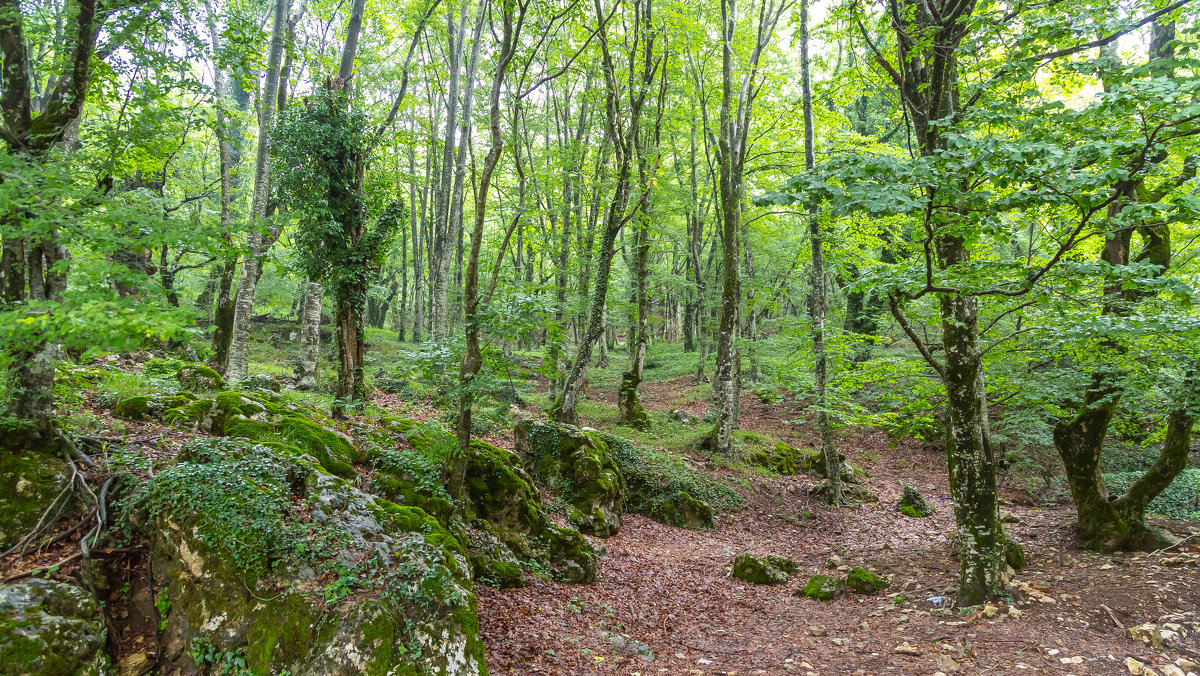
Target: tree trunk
(833,459)
(473,355)
(443,229)
(310,337)
(631,410)
(1105,522)
(237,362)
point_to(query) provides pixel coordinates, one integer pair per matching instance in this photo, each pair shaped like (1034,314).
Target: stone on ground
(50,628)
(762,570)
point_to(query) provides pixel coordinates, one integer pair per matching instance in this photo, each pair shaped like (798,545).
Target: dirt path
(669,591)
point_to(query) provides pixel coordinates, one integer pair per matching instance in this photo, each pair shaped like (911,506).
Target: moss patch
(763,570)
(683,511)
(864,581)
(29,482)
(824,588)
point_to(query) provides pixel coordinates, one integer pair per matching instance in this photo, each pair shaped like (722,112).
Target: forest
(586,337)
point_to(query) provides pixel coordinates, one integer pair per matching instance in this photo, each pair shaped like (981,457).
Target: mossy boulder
(29,483)
(259,416)
(140,407)
(198,378)
(50,628)
(502,494)
(762,570)
(864,581)
(505,525)
(913,505)
(260,381)
(575,463)
(683,511)
(265,555)
(824,588)
(778,458)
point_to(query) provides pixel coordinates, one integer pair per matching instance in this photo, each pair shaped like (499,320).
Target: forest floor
(665,600)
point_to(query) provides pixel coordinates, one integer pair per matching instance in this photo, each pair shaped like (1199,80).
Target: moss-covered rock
(29,483)
(265,555)
(504,525)
(864,581)
(778,458)
(1014,554)
(260,381)
(683,511)
(256,417)
(139,407)
(577,464)
(198,378)
(501,493)
(913,505)
(824,587)
(762,570)
(50,628)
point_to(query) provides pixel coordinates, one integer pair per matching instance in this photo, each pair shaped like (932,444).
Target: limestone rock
(198,378)
(764,570)
(29,483)
(680,415)
(824,588)
(682,510)
(50,628)
(1155,635)
(352,584)
(576,463)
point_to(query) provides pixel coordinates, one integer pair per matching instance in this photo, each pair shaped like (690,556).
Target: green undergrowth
(1180,500)
(242,495)
(653,475)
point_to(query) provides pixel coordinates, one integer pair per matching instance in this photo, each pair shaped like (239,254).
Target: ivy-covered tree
(320,149)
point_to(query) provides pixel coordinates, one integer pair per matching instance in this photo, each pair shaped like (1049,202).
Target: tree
(820,303)
(733,140)
(623,116)
(262,235)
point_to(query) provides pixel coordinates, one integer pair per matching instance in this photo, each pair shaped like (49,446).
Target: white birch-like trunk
(238,361)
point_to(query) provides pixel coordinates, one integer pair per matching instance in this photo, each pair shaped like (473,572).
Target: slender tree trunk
(473,355)
(443,228)
(310,337)
(833,459)
(238,361)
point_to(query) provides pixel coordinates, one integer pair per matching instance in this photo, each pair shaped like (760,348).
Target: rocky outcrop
(267,557)
(504,525)
(576,464)
(29,484)
(50,628)
(260,416)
